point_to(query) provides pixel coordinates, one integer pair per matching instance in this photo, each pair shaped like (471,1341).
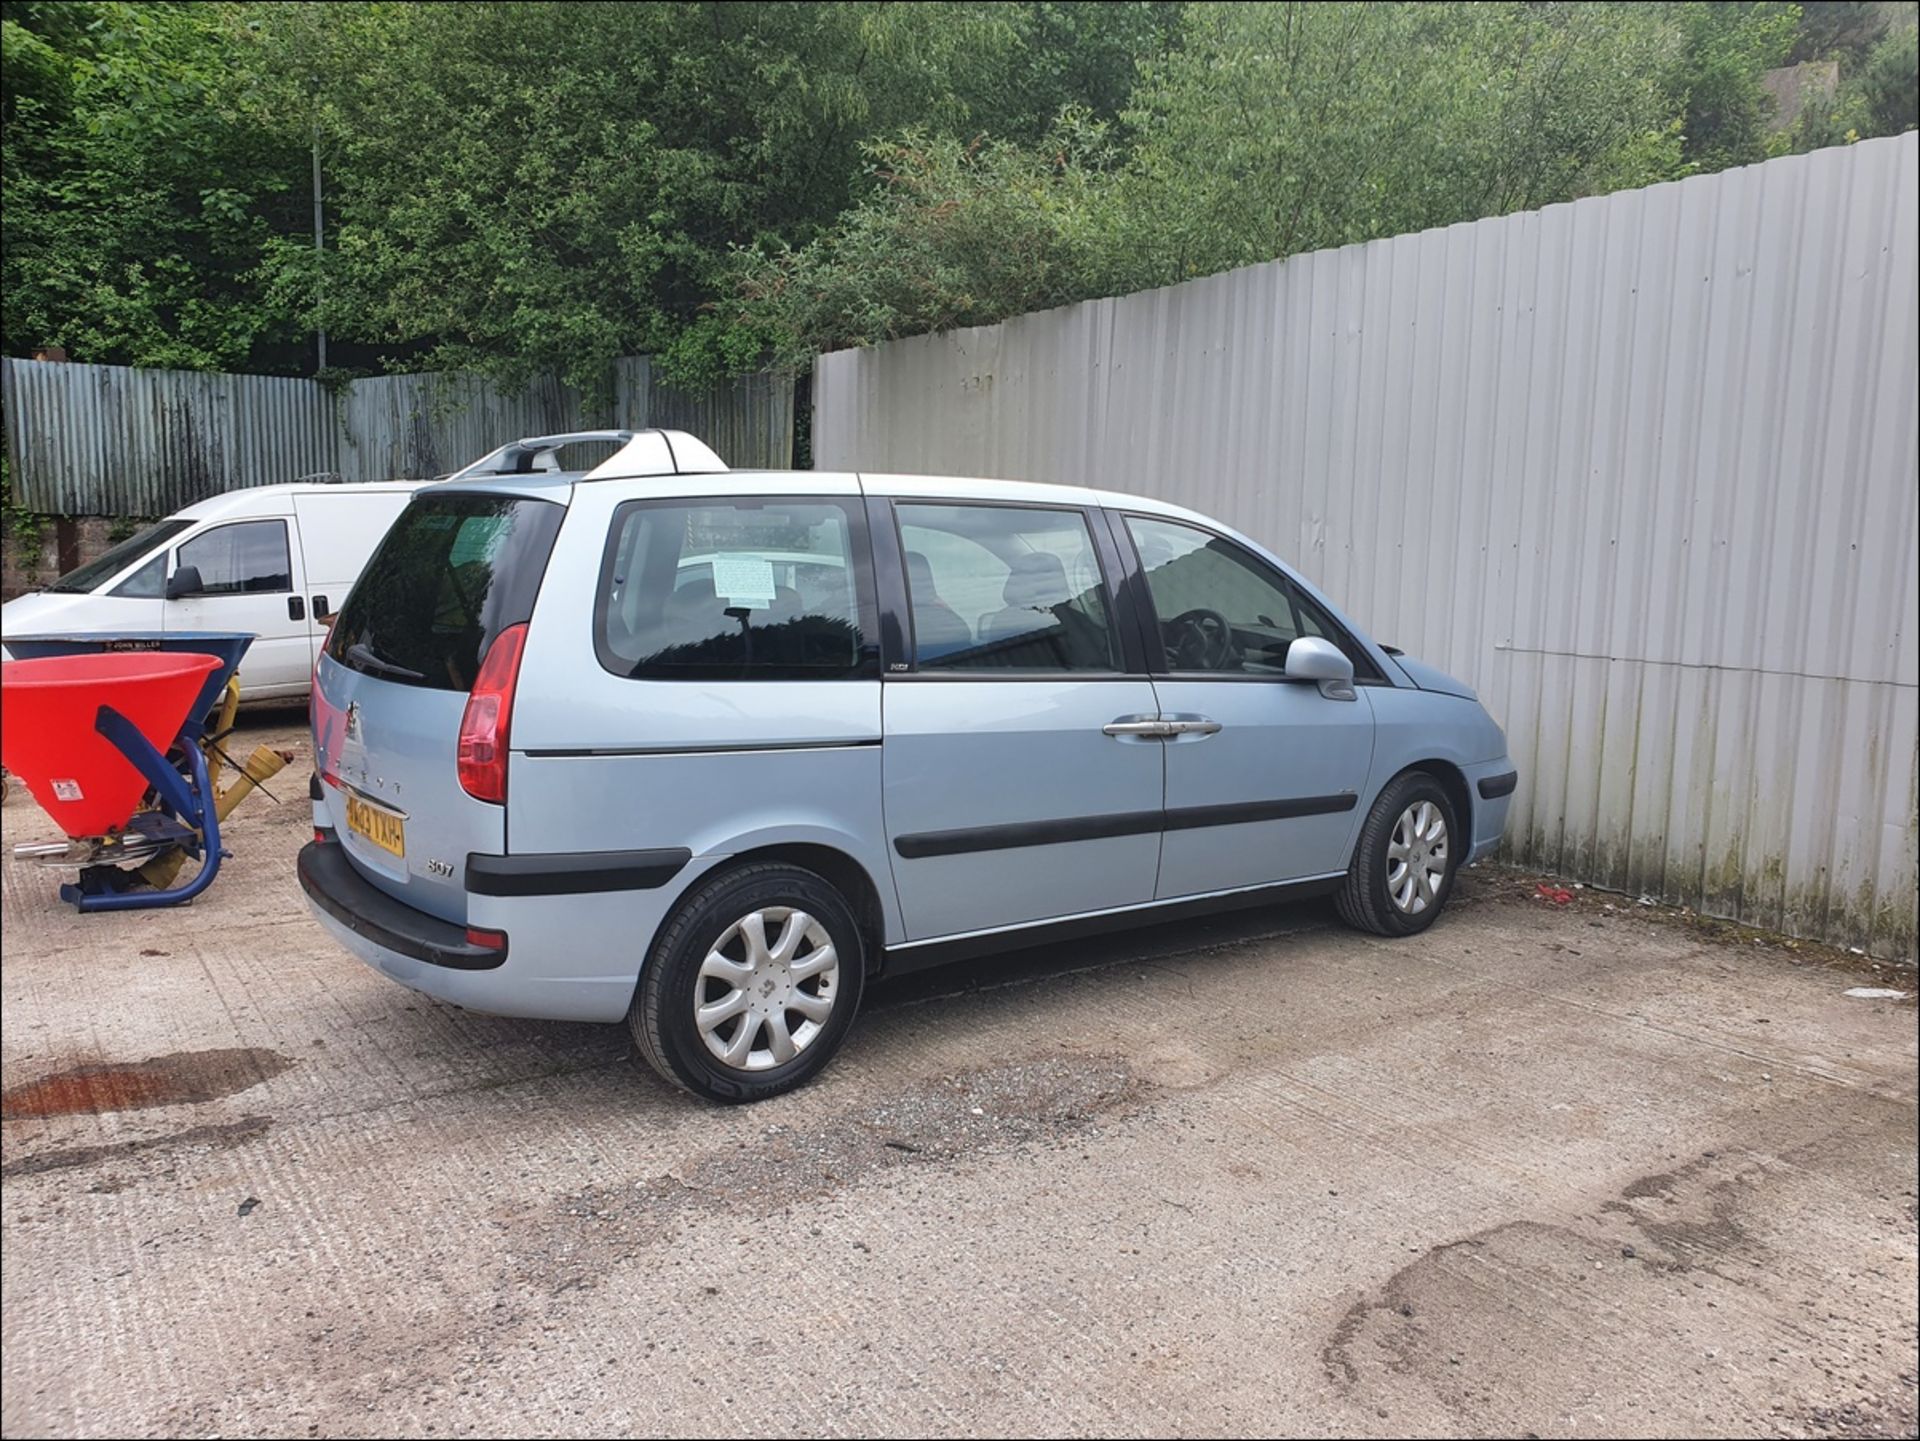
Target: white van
(275,560)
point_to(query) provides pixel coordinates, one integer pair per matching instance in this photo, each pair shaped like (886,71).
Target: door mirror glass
(1312,659)
(185,582)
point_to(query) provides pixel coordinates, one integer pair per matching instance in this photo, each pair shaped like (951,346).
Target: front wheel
(1405,859)
(752,985)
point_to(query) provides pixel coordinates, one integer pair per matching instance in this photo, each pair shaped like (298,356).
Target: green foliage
(954,233)
(137,196)
(554,185)
(1280,128)
(1728,48)
(1269,130)
(1885,90)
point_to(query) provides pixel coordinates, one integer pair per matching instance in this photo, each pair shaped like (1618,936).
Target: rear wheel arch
(838,869)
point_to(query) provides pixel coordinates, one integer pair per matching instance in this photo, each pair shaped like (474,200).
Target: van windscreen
(453,572)
(109,563)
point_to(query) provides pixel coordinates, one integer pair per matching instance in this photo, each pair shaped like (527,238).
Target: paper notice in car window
(743,579)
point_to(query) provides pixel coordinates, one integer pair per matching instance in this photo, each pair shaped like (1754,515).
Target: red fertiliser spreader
(111,746)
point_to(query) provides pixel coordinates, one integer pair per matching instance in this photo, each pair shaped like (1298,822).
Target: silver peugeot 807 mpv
(706,750)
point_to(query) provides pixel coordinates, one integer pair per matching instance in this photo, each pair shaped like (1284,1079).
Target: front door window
(250,558)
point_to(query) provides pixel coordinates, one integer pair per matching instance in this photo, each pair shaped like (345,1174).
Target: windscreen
(110,563)
(453,572)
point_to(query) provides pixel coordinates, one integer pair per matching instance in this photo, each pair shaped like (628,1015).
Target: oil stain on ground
(176,1079)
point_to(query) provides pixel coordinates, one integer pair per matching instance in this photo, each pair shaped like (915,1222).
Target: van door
(338,530)
(1022,773)
(245,575)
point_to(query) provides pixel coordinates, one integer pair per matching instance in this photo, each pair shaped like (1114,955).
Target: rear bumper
(342,895)
(572,957)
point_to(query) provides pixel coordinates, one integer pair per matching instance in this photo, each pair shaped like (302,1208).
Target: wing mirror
(1312,659)
(184,582)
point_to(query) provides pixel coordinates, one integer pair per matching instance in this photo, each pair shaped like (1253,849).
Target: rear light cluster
(483,726)
(326,720)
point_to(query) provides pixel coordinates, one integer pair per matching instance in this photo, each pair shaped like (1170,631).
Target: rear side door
(1264,774)
(1022,776)
(703,675)
(249,579)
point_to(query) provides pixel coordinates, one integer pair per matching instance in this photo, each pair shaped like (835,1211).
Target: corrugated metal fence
(1642,468)
(109,440)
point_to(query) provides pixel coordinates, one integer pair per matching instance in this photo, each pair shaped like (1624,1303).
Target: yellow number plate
(385,829)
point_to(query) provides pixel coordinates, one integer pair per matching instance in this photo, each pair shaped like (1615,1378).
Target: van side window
(737,589)
(242,559)
(1003,587)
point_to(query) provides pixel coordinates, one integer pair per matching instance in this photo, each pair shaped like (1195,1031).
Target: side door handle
(1140,727)
(1191,726)
(296,608)
(320,610)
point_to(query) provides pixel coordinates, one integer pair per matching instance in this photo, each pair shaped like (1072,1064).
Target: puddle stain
(217,1138)
(176,1079)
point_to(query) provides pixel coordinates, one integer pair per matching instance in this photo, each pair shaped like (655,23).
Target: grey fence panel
(748,422)
(111,440)
(423,425)
(1641,468)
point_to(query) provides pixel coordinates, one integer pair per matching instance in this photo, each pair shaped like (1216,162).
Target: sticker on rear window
(744,579)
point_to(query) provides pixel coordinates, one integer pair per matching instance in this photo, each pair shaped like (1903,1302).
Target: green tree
(1727,114)
(1270,129)
(559,184)
(1888,103)
(137,196)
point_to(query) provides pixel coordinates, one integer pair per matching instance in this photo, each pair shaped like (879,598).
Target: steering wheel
(1201,639)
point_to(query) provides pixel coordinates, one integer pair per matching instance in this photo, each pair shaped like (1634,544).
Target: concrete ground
(1548,1171)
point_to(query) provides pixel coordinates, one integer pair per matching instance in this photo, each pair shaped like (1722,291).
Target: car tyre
(713,954)
(1405,859)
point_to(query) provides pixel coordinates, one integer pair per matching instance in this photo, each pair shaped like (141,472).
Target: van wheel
(1404,862)
(752,984)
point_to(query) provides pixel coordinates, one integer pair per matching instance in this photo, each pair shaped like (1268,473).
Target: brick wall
(62,544)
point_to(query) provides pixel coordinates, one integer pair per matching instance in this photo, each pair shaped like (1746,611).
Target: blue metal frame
(190,798)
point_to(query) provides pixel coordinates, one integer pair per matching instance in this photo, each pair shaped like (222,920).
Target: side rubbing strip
(1493,787)
(1238,813)
(1123,823)
(1027,833)
(574,873)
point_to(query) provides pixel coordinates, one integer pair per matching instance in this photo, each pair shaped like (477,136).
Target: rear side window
(1004,587)
(738,588)
(453,572)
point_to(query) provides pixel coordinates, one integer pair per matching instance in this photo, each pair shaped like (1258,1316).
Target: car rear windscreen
(453,572)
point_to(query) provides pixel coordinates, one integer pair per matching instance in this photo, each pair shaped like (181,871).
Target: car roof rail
(641,453)
(659,452)
(524,456)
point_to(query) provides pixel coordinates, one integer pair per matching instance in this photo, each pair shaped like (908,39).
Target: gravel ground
(1549,1170)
